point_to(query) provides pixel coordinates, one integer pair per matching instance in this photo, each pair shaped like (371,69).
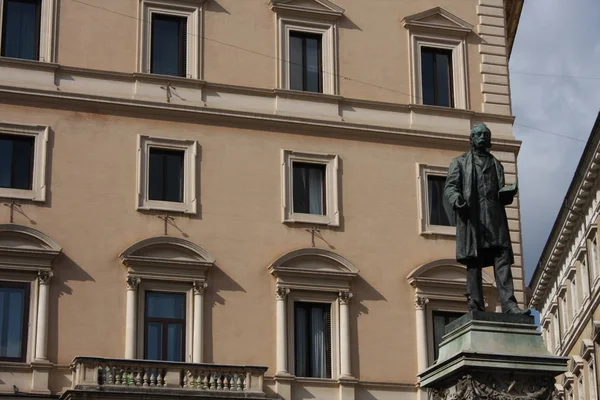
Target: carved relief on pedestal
(498,387)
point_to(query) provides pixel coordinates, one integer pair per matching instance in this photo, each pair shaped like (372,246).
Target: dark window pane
(165,326)
(437,213)
(440,320)
(427,74)
(305,62)
(165,305)
(154,341)
(296,65)
(14,310)
(175,343)
(308,188)
(436,77)
(166,175)
(168,43)
(312,339)
(442,62)
(16,161)
(21,29)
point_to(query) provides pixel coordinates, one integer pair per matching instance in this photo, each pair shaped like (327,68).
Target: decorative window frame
(425,30)
(563,309)
(331,161)
(38,182)
(314,297)
(314,275)
(322,20)
(145,286)
(439,286)
(190,9)
(593,254)
(190,148)
(555,323)
(425,227)
(170,264)
(47,50)
(583,272)
(574,291)
(27,255)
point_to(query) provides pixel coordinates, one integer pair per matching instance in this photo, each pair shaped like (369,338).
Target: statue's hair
(482,128)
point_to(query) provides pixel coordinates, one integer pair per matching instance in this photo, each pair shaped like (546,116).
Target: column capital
(281,292)
(199,287)
(132,282)
(345,296)
(44,277)
(421,302)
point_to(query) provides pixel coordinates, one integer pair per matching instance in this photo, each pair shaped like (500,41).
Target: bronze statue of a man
(475,196)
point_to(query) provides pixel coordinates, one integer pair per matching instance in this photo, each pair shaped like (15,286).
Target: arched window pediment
(167,257)
(313,269)
(443,279)
(26,248)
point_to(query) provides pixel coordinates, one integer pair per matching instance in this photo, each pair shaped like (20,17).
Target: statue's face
(481,139)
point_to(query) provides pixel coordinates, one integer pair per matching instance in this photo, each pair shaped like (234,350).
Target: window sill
(312,219)
(322,381)
(449,231)
(14,365)
(21,194)
(159,78)
(165,206)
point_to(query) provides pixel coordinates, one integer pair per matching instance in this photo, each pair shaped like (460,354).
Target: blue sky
(557,46)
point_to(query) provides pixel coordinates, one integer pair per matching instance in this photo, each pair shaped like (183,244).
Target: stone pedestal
(493,356)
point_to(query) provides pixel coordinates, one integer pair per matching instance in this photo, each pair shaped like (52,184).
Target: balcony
(100,377)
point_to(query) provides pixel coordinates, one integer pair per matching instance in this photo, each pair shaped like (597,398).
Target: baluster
(205,381)
(247,381)
(118,376)
(160,380)
(238,384)
(219,382)
(225,381)
(187,376)
(152,377)
(145,376)
(109,379)
(138,377)
(211,382)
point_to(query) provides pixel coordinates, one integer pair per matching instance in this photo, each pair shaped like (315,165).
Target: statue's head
(481,137)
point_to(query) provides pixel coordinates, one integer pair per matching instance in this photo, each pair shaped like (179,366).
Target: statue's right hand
(461,207)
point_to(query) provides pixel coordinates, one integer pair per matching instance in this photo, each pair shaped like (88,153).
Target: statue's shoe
(518,311)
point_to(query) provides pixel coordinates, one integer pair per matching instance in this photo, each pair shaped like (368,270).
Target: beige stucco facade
(94,101)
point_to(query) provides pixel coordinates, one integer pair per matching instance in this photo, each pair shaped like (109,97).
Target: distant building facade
(239,196)
(566,283)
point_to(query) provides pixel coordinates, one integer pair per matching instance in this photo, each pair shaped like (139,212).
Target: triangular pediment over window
(313,269)
(25,248)
(167,258)
(439,19)
(314,8)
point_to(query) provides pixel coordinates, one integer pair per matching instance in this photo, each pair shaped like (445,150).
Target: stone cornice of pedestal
(498,343)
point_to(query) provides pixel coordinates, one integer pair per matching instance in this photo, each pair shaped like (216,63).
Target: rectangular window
(436,77)
(592,379)
(21,29)
(305,62)
(585,288)
(14,317)
(312,339)
(580,389)
(309,188)
(166,175)
(594,257)
(165,326)
(435,190)
(16,161)
(168,45)
(440,320)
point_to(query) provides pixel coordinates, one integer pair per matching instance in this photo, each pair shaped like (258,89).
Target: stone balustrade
(92,373)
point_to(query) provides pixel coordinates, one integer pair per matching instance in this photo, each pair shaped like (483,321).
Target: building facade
(192,188)
(566,283)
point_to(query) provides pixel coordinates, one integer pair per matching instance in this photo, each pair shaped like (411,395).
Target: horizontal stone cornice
(182,98)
